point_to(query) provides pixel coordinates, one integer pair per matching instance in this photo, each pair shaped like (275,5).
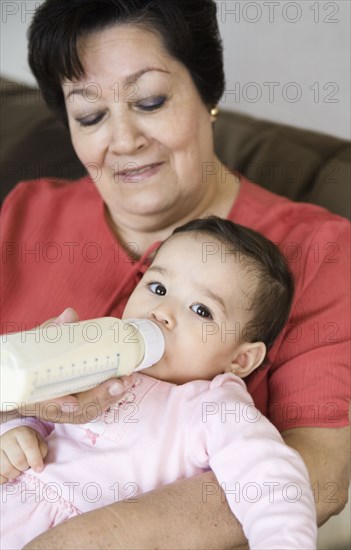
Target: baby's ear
(248,357)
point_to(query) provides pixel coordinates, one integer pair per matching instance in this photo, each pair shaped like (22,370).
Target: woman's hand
(21,448)
(81,407)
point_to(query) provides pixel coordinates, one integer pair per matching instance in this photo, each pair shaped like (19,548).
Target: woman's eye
(202,311)
(89,121)
(157,288)
(151,103)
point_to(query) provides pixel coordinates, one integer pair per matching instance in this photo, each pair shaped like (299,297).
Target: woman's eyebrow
(131,79)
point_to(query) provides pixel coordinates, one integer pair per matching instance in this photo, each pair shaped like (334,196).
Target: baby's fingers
(17,458)
(8,471)
(34,449)
(42,446)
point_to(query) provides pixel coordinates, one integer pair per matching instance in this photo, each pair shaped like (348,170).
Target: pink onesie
(158,433)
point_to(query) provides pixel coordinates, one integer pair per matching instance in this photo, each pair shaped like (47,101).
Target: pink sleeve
(43,428)
(265,482)
(309,382)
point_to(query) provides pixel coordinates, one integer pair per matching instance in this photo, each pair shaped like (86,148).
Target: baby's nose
(164,316)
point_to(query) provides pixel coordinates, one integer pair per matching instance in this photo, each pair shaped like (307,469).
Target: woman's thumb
(69,315)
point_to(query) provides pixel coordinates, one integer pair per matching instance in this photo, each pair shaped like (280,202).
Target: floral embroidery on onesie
(93,429)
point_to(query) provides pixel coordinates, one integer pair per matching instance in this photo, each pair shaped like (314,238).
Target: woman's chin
(150,206)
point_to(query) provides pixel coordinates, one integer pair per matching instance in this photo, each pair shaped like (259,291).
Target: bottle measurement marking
(75,378)
(79,376)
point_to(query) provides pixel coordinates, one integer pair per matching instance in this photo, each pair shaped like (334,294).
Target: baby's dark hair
(265,265)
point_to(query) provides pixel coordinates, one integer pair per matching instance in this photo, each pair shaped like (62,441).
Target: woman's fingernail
(62,318)
(115,389)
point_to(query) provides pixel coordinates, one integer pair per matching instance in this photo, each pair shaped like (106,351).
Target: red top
(58,251)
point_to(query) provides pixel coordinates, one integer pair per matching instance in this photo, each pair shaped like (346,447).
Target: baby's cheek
(131,308)
(127,312)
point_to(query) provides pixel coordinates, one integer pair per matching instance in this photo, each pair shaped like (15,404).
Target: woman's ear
(248,357)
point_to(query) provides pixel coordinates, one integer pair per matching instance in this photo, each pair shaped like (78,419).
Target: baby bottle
(56,360)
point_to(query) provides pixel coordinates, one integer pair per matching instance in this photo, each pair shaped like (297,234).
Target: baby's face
(197,292)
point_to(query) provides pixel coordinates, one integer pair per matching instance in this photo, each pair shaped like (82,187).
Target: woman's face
(140,127)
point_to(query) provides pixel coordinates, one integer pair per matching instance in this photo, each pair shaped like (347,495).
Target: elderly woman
(138,81)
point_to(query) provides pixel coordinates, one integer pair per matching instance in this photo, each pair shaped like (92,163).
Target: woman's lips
(137,173)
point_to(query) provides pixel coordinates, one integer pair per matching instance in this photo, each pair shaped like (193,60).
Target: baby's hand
(21,448)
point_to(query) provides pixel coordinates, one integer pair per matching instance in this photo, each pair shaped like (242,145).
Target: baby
(221,293)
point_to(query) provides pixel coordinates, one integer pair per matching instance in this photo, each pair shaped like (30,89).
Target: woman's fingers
(93,403)
(82,407)
(96,401)
(69,315)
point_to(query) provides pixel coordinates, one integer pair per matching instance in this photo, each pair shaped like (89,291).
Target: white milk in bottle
(56,360)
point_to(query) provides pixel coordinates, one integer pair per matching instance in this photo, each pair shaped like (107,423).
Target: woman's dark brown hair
(188,30)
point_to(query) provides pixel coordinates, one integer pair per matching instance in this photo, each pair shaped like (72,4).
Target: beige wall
(289,61)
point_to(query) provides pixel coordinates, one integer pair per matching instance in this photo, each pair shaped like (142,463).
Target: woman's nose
(126,135)
(163,315)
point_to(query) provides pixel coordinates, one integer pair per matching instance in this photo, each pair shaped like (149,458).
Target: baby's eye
(157,288)
(201,310)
